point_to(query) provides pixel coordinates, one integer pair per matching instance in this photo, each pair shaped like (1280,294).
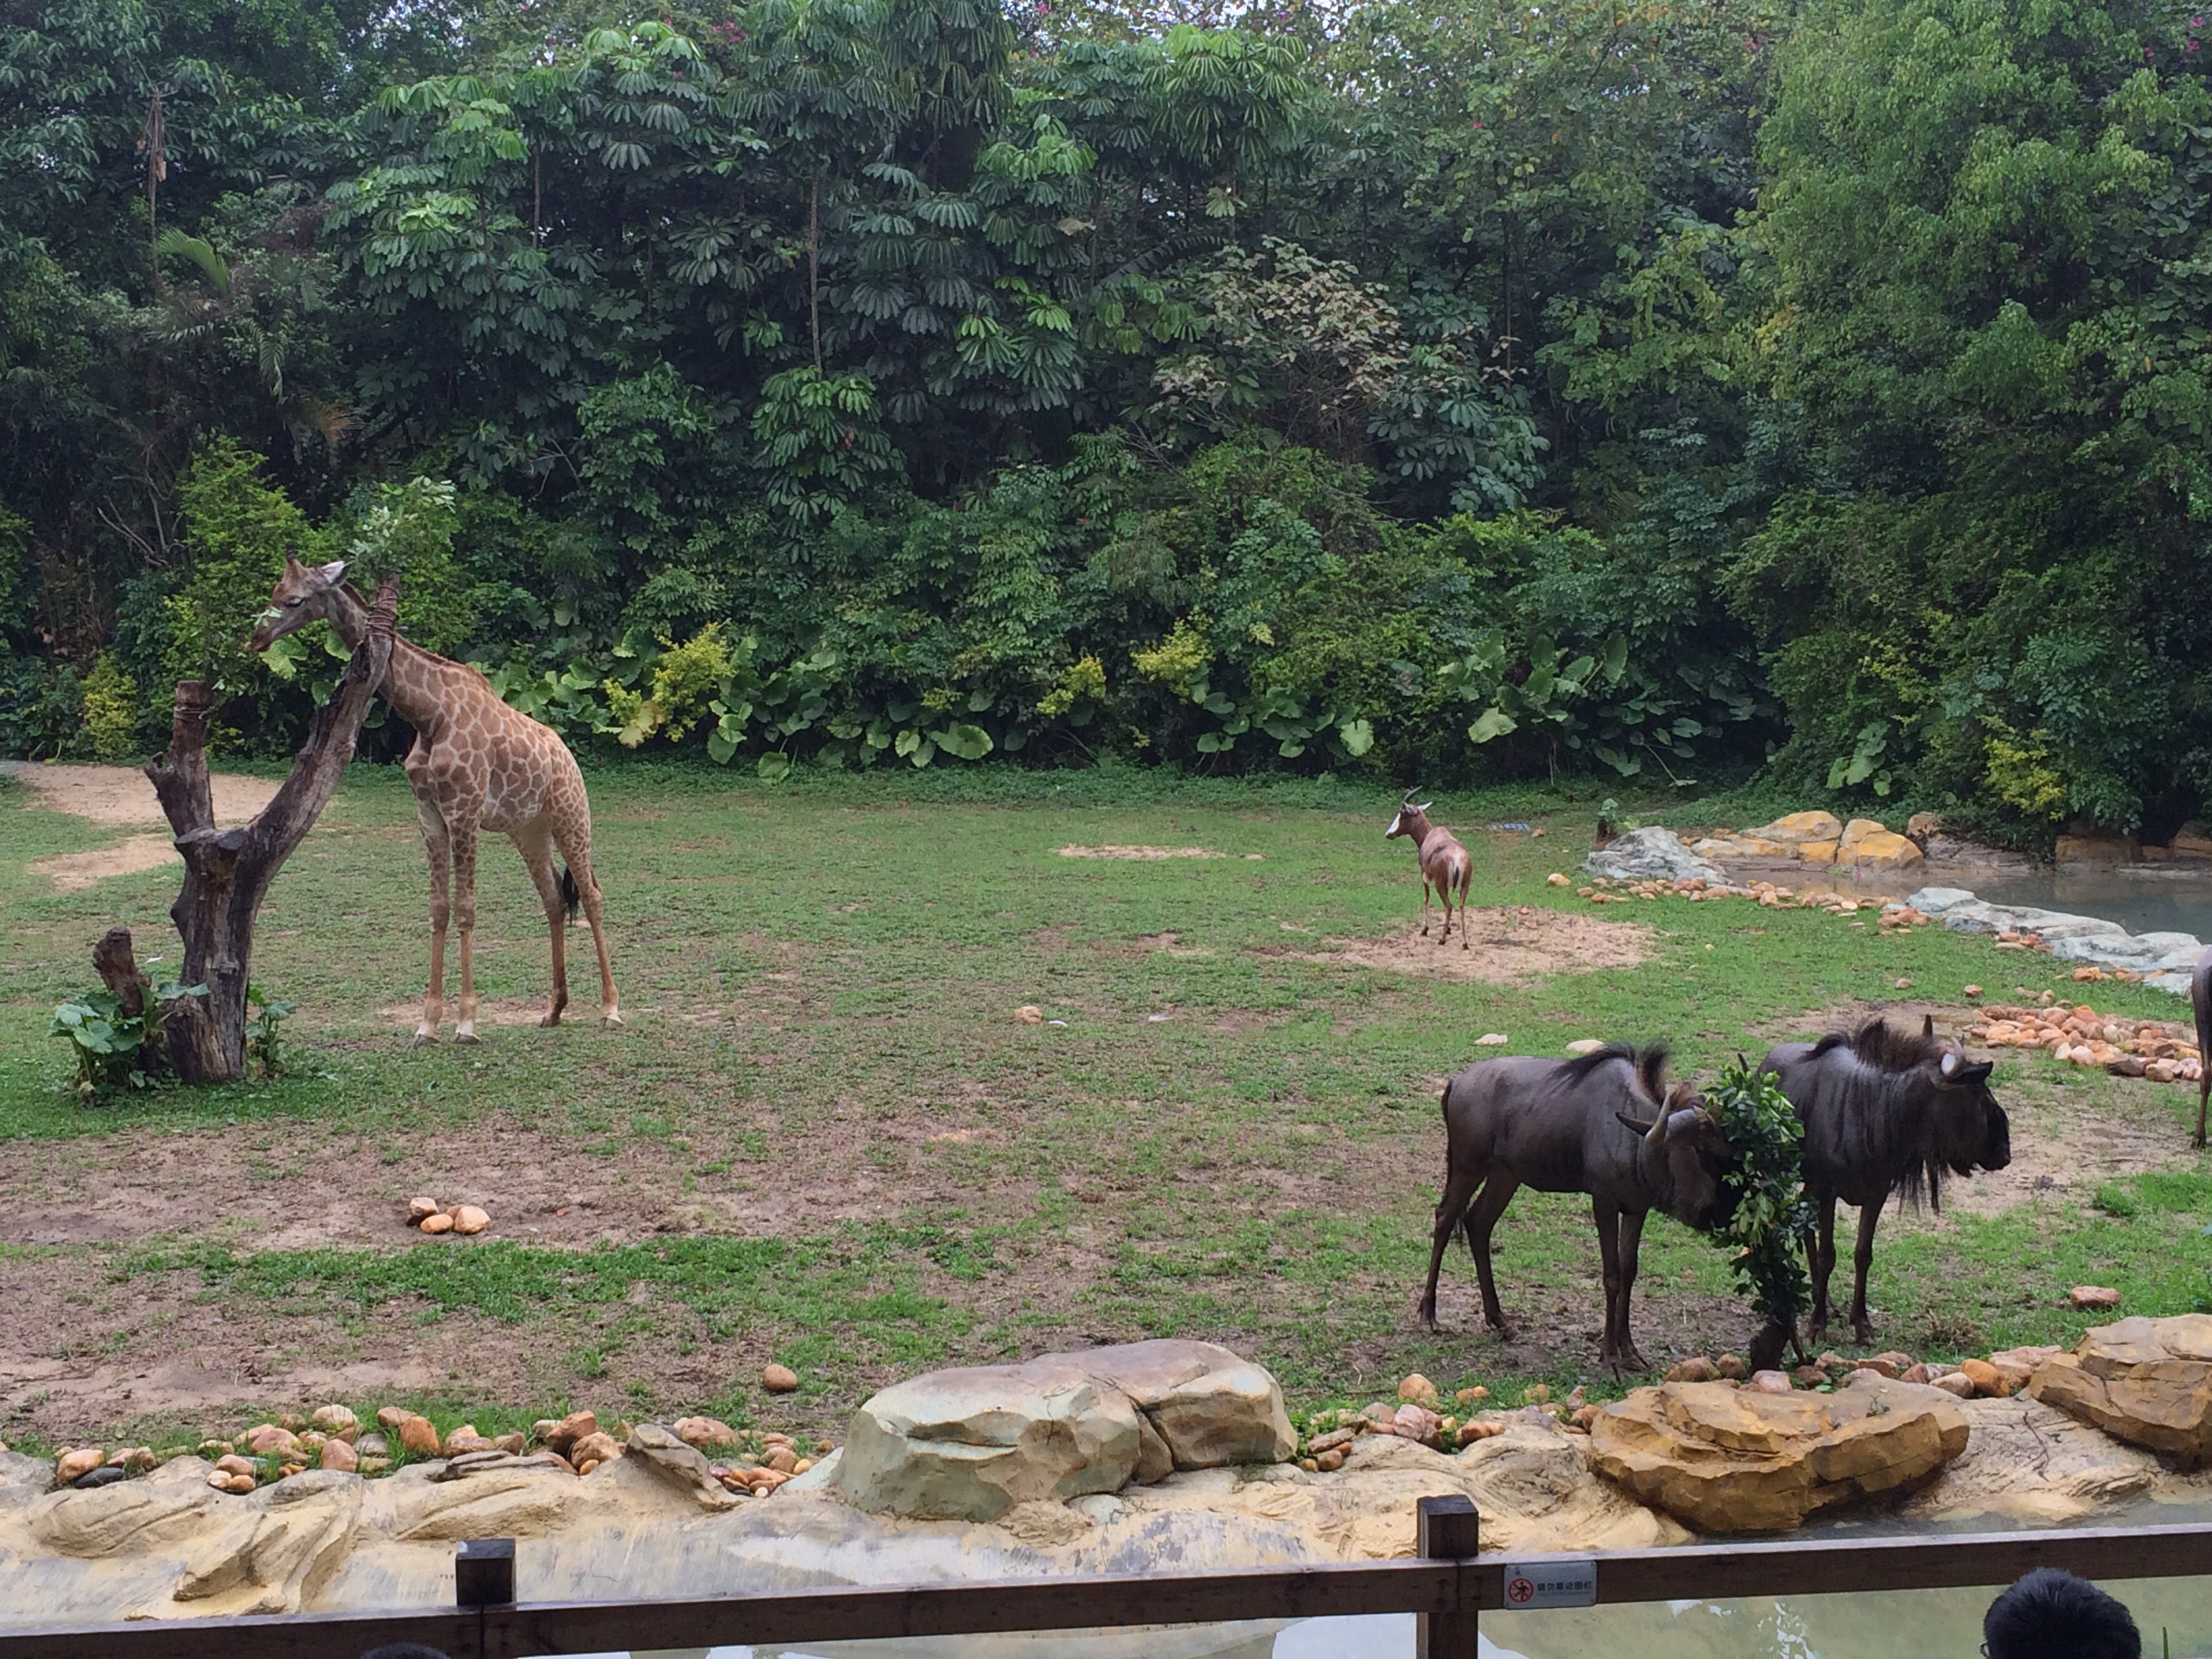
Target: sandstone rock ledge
(2147,1381)
(1726,1459)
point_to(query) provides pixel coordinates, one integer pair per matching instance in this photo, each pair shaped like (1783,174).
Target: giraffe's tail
(570,897)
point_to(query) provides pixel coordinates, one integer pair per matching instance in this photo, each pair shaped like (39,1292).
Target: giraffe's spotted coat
(476,765)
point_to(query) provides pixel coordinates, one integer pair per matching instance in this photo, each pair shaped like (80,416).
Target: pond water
(2143,898)
(2174,1614)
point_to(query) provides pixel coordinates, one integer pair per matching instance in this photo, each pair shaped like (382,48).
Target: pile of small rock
(1999,1375)
(1420,1416)
(332,1438)
(755,1463)
(2163,1051)
(1601,890)
(427,1215)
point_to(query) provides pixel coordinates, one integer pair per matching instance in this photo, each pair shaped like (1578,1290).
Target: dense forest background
(1660,391)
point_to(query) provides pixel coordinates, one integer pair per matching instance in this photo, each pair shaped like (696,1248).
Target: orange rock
(441,1223)
(1985,1378)
(420,1436)
(469,1219)
(336,1454)
(577,1425)
(779,1379)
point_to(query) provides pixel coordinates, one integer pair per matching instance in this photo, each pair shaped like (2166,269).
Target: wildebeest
(2200,998)
(1886,1111)
(1443,862)
(1608,1124)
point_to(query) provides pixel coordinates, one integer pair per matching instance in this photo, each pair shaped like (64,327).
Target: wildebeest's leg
(2203,1095)
(1823,1263)
(1861,1259)
(1497,1192)
(1608,1251)
(1631,1241)
(1460,1183)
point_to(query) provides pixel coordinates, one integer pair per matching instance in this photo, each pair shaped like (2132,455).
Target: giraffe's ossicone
(476,765)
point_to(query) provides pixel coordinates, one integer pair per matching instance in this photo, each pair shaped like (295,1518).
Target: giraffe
(477,764)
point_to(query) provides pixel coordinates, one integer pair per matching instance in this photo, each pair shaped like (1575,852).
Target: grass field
(823,1137)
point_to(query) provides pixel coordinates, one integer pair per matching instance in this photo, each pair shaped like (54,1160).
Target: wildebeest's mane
(1885,1054)
(1649,1064)
(1883,1046)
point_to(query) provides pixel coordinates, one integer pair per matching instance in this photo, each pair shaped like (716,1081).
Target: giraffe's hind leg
(571,820)
(535,843)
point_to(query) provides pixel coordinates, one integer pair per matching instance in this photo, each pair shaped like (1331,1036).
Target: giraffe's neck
(415,684)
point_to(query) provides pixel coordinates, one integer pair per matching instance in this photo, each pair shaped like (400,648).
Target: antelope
(1444,862)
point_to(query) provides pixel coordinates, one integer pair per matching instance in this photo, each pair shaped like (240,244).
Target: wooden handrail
(1448,1592)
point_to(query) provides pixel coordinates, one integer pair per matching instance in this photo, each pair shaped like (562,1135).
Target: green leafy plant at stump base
(1772,1215)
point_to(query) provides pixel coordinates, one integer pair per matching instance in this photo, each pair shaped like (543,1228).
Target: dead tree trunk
(118,968)
(227,872)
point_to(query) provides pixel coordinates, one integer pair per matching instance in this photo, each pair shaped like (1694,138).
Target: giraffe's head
(301,594)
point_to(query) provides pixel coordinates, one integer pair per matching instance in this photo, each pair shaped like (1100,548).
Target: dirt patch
(1505,948)
(70,872)
(122,795)
(1141,853)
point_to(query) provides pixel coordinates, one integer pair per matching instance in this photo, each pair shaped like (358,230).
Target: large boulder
(2148,1381)
(972,1443)
(1651,854)
(1740,1460)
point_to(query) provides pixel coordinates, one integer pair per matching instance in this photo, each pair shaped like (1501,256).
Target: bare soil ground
(1504,947)
(70,872)
(121,794)
(1141,853)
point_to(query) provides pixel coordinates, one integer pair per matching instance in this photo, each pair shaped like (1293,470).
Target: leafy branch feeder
(227,872)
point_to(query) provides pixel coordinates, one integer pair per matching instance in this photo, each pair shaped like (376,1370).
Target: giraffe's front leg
(463,833)
(438,846)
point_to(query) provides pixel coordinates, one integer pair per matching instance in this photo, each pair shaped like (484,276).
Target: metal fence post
(1450,1529)
(483,1572)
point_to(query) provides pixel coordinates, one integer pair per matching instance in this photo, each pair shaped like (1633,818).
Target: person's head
(2051,1614)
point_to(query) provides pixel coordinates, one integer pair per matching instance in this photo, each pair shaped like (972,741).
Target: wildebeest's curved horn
(1949,1064)
(1655,1132)
(1928,1025)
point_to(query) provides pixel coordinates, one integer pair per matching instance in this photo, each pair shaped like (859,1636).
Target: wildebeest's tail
(571,899)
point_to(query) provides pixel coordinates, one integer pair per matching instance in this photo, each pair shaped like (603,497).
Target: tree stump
(227,872)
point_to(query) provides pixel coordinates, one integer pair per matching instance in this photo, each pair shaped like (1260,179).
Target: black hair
(2050,1615)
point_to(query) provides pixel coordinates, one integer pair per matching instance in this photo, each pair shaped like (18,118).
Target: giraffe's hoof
(551,1019)
(612,1016)
(424,1038)
(465,1034)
